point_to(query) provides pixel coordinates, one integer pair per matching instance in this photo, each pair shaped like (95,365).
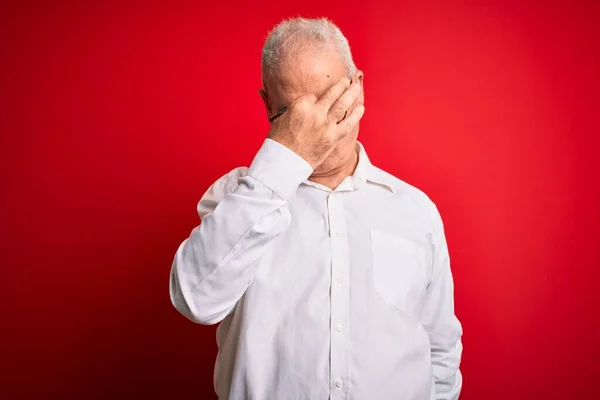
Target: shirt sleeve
(439,320)
(241,215)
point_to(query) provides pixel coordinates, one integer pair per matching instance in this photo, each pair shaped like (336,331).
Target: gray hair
(296,34)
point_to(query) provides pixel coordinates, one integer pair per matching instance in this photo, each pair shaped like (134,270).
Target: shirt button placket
(339,296)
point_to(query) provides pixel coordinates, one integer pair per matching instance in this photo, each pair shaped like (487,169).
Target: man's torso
(333,310)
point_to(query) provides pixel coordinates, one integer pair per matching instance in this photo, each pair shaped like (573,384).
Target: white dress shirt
(321,294)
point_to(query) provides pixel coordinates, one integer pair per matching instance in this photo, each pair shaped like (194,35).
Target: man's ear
(359,77)
(265,98)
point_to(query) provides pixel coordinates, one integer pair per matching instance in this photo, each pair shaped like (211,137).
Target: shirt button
(338,234)
(339,383)
(339,328)
(340,279)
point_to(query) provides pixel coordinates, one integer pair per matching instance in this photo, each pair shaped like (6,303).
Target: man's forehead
(307,69)
(309,77)
(313,85)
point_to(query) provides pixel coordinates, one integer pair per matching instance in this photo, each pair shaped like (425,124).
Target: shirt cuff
(279,168)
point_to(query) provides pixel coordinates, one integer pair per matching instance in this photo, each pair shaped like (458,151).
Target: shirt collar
(367,172)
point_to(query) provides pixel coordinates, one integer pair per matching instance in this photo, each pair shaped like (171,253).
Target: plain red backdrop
(116,117)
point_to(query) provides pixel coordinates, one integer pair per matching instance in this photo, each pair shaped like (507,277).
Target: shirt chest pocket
(399,271)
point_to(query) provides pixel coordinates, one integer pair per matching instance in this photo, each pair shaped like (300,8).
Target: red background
(115,118)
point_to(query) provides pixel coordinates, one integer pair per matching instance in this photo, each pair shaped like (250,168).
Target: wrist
(280,168)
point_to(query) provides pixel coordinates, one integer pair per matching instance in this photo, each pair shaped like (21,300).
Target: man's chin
(333,165)
(340,158)
(326,169)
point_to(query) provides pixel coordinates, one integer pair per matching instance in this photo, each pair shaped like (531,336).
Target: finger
(327,100)
(344,102)
(351,121)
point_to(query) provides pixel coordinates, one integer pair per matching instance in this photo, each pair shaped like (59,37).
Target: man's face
(312,71)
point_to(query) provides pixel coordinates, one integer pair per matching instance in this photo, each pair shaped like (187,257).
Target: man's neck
(333,177)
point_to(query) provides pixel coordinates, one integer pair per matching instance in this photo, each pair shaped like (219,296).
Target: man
(330,277)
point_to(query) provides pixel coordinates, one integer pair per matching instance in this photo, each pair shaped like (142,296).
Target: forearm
(213,267)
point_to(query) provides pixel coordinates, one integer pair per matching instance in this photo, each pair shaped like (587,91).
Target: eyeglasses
(274,117)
